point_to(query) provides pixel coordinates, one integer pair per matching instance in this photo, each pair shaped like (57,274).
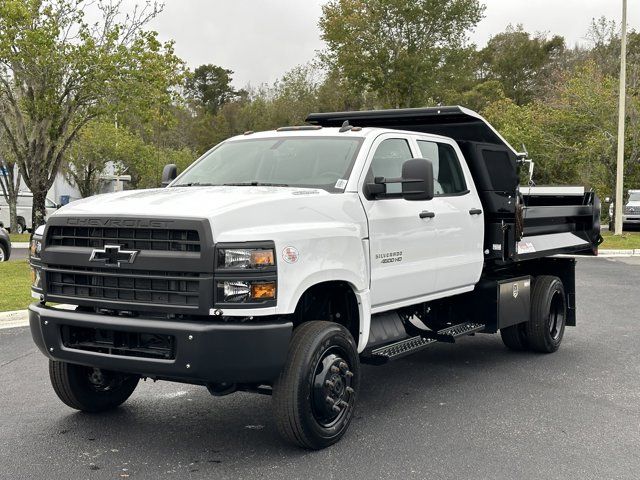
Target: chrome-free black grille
(125,286)
(174,240)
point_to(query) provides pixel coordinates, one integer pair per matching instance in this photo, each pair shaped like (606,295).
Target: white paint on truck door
(403,245)
(459,222)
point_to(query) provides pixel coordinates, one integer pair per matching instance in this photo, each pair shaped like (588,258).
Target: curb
(20,318)
(20,245)
(13,319)
(619,253)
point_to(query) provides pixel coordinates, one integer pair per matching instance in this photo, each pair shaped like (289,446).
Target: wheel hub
(332,390)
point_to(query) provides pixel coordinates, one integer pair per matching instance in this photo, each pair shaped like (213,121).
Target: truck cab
(281,260)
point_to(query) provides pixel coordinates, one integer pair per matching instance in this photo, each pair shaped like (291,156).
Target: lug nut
(342,403)
(329,384)
(329,400)
(350,390)
(343,366)
(334,369)
(336,408)
(349,373)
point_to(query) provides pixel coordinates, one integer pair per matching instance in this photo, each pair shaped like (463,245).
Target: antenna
(345,127)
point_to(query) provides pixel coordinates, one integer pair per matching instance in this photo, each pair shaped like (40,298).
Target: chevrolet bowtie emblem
(112,256)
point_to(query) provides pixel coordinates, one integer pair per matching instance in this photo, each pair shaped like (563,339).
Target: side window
(448,178)
(388,159)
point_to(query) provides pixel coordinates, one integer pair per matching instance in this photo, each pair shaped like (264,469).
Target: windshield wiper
(255,184)
(197,184)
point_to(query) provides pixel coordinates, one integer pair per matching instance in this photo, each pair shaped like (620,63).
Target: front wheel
(90,389)
(315,395)
(3,254)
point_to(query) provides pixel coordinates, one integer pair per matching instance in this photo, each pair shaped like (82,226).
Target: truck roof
(456,122)
(325,132)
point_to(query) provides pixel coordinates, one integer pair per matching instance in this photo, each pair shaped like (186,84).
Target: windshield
(313,162)
(634,197)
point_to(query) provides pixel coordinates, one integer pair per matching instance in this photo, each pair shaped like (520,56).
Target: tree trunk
(13,214)
(39,212)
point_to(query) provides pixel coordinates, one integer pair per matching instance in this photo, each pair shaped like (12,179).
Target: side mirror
(417,179)
(169,174)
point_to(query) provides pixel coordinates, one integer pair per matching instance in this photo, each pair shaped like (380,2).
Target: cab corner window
(448,178)
(387,162)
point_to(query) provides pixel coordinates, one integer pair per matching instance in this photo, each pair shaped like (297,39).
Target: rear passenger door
(459,219)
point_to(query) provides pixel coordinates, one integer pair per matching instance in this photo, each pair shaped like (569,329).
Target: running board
(411,345)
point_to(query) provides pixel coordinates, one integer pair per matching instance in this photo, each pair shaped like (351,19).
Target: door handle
(425,214)
(475,211)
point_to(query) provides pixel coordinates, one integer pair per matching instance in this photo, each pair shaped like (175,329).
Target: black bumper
(211,351)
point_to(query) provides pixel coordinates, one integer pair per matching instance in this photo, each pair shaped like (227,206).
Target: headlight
(36,247)
(246,291)
(245,258)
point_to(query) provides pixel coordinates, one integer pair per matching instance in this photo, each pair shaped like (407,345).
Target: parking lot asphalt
(473,410)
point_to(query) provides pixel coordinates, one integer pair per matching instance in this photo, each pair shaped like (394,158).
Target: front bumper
(631,219)
(205,351)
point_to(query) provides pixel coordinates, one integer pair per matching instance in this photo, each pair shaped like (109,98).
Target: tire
(515,337)
(21,227)
(546,327)
(3,253)
(80,387)
(315,396)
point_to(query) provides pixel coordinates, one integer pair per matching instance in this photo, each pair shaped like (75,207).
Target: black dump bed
(520,222)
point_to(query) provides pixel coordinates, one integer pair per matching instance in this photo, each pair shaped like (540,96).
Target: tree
(210,85)
(57,73)
(519,61)
(9,182)
(397,48)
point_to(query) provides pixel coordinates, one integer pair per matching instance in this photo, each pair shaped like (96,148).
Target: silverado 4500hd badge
(390,257)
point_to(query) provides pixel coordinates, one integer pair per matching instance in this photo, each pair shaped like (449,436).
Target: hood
(235,213)
(185,202)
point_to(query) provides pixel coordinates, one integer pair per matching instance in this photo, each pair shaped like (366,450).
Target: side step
(411,345)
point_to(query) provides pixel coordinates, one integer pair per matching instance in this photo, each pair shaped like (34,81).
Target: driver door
(403,252)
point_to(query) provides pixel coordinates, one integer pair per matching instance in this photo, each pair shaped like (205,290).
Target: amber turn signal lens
(262,258)
(261,291)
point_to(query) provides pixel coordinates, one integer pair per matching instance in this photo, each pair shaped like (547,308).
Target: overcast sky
(261,39)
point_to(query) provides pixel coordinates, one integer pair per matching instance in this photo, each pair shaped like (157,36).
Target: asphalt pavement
(473,410)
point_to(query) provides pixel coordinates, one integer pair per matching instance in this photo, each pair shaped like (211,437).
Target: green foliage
(397,49)
(210,86)
(519,61)
(58,72)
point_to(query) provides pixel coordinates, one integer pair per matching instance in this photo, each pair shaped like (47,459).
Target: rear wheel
(515,337)
(90,389)
(315,395)
(545,329)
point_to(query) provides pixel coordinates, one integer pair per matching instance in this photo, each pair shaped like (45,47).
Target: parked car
(24,207)
(630,212)
(5,245)
(282,260)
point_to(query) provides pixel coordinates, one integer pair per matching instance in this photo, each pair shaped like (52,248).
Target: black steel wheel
(545,329)
(315,396)
(90,389)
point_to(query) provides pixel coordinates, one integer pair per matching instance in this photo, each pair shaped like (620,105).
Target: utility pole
(621,120)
